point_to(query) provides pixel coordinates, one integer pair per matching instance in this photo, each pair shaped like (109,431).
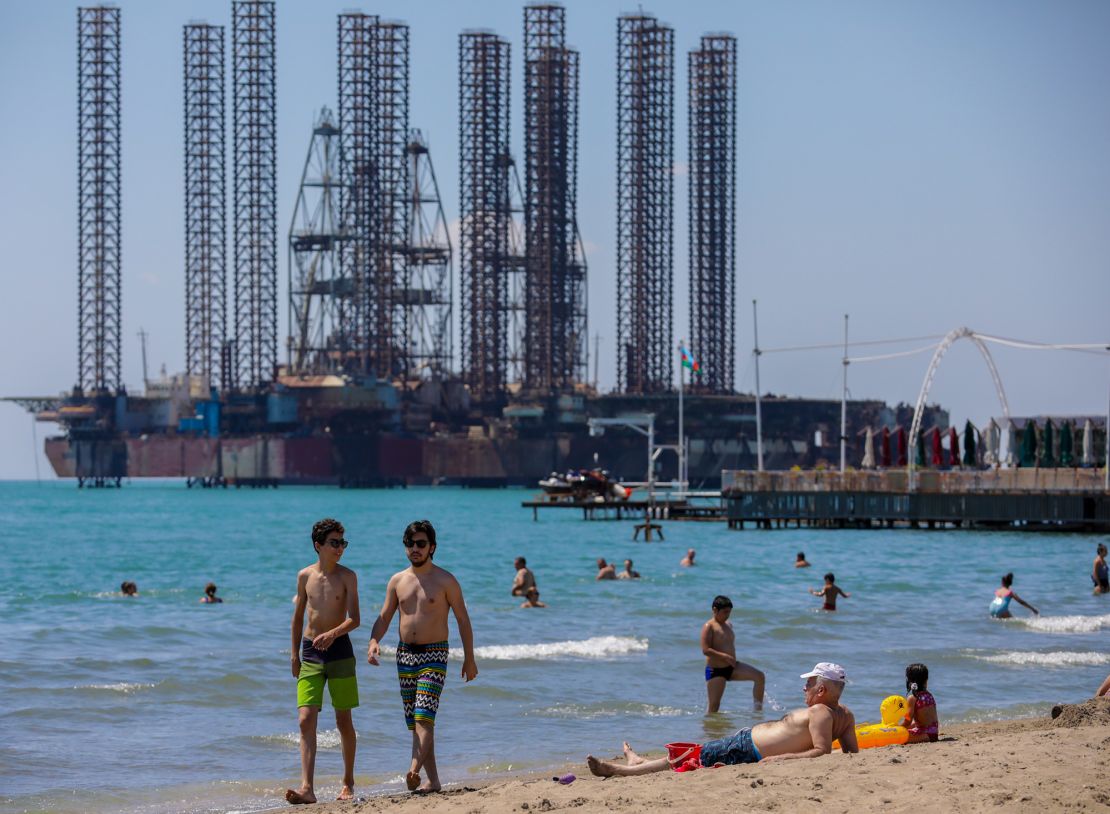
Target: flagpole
(681,428)
(844,405)
(758,403)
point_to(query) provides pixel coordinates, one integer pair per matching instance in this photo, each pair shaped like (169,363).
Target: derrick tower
(205,202)
(555,354)
(712,177)
(423,286)
(98,201)
(255,203)
(319,289)
(357,199)
(485,214)
(388,356)
(645,204)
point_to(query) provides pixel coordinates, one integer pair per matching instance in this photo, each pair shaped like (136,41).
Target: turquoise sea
(159,703)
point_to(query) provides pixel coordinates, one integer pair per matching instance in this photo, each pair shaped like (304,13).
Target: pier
(662,506)
(1033,499)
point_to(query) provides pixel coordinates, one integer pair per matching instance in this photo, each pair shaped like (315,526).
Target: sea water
(160,703)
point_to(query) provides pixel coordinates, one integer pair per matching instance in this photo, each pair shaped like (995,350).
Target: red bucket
(679,750)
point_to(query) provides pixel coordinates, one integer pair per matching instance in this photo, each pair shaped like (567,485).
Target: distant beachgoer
(628,573)
(322,654)
(210,597)
(605,570)
(525,580)
(423,593)
(1000,605)
(1103,688)
(688,560)
(533,600)
(802,733)
(801,561)
(830,592)
(921,708)
(718,643)
(1100,572)
(129,588)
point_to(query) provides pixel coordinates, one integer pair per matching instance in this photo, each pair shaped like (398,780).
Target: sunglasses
(338,543)
(416,543)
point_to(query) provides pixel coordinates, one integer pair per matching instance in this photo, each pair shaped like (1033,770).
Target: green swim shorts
(334,667)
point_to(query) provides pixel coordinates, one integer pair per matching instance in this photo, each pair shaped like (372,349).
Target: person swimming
(1100,572)
(1000,605)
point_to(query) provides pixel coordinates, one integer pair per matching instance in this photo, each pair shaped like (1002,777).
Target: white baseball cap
(826,669)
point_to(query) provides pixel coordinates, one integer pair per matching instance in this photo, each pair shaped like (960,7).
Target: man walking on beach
(718,643)
(423,592)
(802,733)
(322,654)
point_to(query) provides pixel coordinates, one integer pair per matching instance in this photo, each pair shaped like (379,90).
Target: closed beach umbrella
(884,447)
(937,448)
(902,452)
(953,447)
(1088,444)
(1067,457)
(1008,445)
(919,453)
(969,445)
(1047,456)
(868,450)
(1029,444)
(991,444)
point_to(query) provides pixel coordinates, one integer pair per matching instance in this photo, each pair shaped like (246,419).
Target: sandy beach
(1033,764)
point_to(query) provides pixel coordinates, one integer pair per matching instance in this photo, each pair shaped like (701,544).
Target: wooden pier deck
(665,506)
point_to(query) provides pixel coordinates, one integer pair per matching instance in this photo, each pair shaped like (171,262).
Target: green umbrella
(969,445)
(1047,457)
(1029,444)
(1067,458)
(919,456)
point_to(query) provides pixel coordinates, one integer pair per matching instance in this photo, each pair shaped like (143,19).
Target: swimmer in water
(1000,605)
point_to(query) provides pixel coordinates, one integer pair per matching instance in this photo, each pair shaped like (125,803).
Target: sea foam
(599,647)
(1066,624)
(1057,658)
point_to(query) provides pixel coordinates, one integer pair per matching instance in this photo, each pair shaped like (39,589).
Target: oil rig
(369,390)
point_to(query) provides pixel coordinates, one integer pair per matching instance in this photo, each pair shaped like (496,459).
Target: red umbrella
(953,447)
(884,448)
(936,446)
(901,446)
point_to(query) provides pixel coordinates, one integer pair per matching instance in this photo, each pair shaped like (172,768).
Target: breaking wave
(1057,658)
(1066,624)
(599,647)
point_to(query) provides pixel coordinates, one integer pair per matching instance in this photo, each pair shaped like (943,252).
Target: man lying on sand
(802,733)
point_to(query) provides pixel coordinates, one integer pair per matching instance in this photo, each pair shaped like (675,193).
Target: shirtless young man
(688,560)
(605,570)
(322,654)
(718,643)
(802,733)
(423,593)
(628,572)
(525,580)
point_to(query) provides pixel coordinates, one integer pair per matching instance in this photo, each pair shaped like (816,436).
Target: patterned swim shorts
(421,671)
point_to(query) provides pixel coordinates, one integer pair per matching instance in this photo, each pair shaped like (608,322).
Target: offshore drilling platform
(371,391)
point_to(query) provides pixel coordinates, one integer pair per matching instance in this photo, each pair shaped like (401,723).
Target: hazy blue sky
(918,165)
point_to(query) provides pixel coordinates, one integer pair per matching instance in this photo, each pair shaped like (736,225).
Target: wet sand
(1028,765)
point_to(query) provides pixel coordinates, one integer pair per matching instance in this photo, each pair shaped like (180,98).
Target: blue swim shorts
(730,751)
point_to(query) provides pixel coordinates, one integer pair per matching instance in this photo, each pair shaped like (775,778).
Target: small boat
(584,484)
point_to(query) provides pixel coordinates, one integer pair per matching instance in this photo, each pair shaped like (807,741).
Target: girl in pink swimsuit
(921,708)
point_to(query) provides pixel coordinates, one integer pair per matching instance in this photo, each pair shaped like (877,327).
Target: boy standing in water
(830,592)
(423,593)
(718,643)
(322,654)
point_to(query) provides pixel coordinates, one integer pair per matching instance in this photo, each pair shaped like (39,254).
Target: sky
(919,166)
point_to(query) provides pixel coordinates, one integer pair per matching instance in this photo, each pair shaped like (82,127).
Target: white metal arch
(942,348)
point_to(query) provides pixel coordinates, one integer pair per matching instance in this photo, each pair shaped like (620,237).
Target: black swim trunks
(721,672)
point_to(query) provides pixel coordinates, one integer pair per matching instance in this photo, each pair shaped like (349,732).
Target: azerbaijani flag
(688,360)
